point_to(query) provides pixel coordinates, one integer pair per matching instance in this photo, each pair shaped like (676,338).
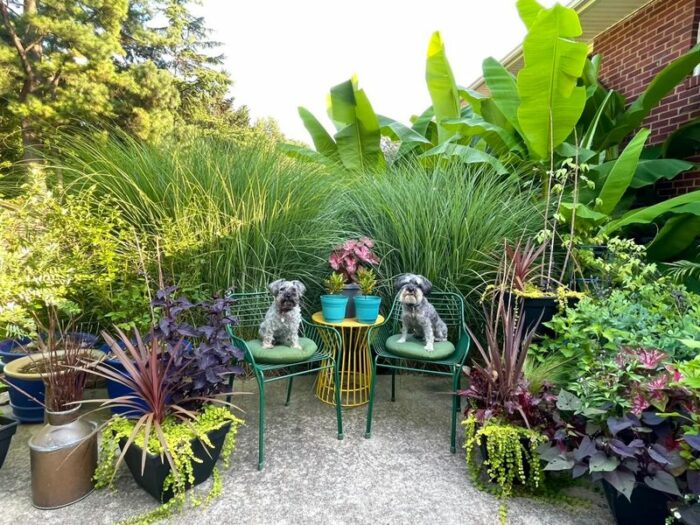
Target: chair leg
(261,422)
(453,430)
(289,391)
(230,388)
(370,407)
(459,386)
(338,405)
(393,385)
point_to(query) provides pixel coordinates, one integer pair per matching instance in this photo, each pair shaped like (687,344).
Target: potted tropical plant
(24,374)
(347,259)
(617,434)
(63,453)
(334,305)
(366,304)
(504,419)
(177,390)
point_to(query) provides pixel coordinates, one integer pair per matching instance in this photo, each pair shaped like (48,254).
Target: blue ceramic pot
(367,308)
(333,307)
(10,349)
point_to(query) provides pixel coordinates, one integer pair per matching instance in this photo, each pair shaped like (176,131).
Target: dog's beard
(411,298)
(285,305)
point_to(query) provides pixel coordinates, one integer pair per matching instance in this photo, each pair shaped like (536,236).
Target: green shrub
(57,250)
(223,214)
(446,223)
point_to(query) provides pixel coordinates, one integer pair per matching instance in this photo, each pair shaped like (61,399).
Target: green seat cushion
(413,348)
(281,354)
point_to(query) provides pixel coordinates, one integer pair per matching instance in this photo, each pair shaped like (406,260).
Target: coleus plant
(352,255)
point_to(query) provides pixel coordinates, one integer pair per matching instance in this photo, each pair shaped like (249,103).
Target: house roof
(597,16)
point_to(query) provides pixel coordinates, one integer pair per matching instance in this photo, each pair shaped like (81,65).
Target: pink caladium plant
(352,255)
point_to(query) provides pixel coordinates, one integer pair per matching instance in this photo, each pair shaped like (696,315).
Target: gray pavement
(404,474)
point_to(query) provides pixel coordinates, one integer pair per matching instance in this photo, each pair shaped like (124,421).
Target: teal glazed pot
(333,307)
(367,308)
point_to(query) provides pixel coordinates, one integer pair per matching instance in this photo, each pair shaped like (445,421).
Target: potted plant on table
(334,305)
(184,424)
(366,304)
(347,259)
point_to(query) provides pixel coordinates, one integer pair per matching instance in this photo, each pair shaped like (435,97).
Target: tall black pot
(647,506)
(535,311)
(350,290)
(8,427)
(156,470)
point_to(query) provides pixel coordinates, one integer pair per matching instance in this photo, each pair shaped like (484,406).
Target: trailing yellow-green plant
(179,437)
(335,283)
(366,280)
(511,456)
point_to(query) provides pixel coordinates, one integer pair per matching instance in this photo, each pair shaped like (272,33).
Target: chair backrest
(249,309)
(450,307)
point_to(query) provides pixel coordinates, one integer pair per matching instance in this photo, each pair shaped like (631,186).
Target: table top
(348,322)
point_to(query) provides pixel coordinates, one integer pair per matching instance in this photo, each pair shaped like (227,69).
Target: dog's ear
(274,286)
(425,285)
(300,286)
(401,281)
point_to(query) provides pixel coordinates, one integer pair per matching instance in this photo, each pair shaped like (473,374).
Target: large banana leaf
(528,10)
(397,131)
(674,238)
(687,203)
(359,139)
(306,154)
(500,140)
(503,88)
(465,154)
(441,85)
(649,171)
(684,142)
(621,174)
(550,101)
(324,143)
(662,85)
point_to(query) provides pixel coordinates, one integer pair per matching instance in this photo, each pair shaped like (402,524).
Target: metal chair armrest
(323,336)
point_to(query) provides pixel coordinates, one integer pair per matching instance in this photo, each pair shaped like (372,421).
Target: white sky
(288,53)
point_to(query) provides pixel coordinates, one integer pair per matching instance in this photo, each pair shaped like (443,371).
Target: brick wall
(636,49)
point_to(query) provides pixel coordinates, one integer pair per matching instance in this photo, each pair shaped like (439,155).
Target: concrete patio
(404,474)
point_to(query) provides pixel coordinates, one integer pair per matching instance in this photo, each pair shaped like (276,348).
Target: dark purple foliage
(203,363)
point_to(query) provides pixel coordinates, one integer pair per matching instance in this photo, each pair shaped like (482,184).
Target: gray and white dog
(282,320)
(417,314)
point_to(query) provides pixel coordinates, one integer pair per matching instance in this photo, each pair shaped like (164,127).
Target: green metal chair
(444,362)
(249,309)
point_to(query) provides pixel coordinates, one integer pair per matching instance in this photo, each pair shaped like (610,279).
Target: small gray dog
(282,320)
(417,314)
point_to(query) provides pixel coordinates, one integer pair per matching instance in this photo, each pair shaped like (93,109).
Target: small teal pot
(367,308)
(333,307)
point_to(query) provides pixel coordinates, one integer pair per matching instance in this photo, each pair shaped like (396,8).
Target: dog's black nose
(410,288)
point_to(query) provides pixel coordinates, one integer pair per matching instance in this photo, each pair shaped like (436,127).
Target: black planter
(535,311)
(8,427)
(647,506)
(350,291)
(156,471)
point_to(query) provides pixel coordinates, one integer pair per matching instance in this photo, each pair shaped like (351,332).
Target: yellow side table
(355,366)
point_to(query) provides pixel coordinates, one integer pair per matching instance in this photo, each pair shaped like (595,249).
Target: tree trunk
(33,56)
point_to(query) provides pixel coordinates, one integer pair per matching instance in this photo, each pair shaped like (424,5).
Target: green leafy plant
(335,283)
(510,450)
(367,280)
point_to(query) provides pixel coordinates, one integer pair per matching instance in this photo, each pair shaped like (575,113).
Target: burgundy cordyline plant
(352,255)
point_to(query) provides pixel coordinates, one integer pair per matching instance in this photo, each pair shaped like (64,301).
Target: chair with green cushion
(318,344)
(447,359)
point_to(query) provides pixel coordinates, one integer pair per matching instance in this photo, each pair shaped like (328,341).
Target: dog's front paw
(401,340)
(296,346)
(428,347)
(267,345)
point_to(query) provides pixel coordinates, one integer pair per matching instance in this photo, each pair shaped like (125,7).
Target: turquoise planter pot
(333,307)
(367,308)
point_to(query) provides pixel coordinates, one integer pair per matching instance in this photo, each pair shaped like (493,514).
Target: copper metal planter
(63,460)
